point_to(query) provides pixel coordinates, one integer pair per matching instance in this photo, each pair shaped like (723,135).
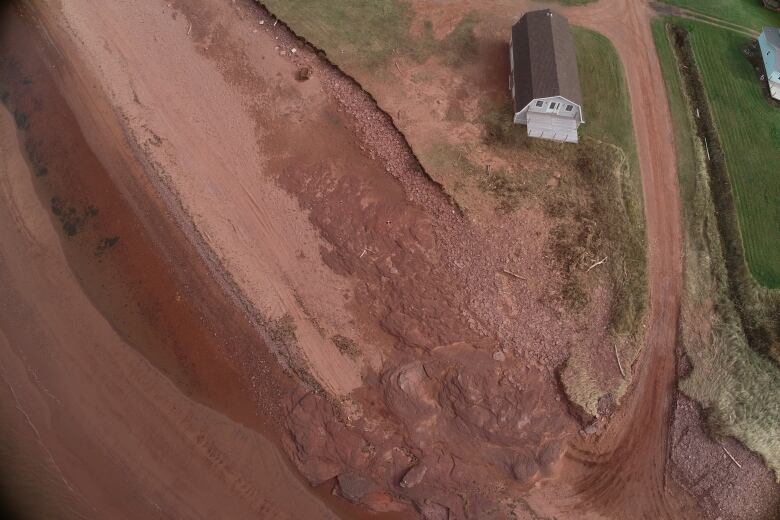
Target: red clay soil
(444,366)
(625,471)
(264,221)
(90,288)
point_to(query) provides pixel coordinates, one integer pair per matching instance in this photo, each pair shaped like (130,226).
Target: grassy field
(352,31)
(377,31)
(749,129)
(736,386)
(747,13)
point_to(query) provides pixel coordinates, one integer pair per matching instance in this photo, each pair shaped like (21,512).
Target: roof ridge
(556,61)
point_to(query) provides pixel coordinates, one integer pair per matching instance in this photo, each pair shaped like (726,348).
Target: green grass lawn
(607,104)
(749,129)
(747,13)
(736,386)
(351,31)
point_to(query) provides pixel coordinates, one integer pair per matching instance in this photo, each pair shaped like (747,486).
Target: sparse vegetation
(346,346)
(600,230)
(377,31)
(282,330)
(460,45)
(498,129)
(507,188)
(736,385)
(72,220)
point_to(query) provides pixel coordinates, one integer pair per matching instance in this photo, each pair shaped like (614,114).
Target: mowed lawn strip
(749,130)
(747,13)
(607,104)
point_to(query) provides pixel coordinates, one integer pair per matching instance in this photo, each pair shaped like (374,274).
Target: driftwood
(366,250)
(597,264)
(731,457)
(513,275)
(620,365)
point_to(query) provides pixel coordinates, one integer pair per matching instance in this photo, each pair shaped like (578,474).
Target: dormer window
(540,104)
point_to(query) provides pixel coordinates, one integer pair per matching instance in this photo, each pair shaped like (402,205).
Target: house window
(540,104)
(569,108)
(553,105)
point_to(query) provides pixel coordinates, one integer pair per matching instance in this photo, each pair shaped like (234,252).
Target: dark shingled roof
(545,59)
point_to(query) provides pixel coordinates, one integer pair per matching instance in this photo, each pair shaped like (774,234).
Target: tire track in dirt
(626,469)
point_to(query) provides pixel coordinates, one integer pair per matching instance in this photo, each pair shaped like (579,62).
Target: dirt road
(630,461)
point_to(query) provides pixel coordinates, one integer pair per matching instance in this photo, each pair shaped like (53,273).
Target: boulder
(354,486)
(414,476)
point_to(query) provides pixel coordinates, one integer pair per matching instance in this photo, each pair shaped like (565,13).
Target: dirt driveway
(630,471)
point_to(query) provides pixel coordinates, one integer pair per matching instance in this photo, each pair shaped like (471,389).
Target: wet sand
(114,341)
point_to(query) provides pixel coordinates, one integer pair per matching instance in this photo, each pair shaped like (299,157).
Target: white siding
(554,118)
(775,90)
(552,127)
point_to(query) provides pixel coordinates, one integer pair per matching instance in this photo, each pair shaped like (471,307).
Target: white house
(543,77)
(769,42)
